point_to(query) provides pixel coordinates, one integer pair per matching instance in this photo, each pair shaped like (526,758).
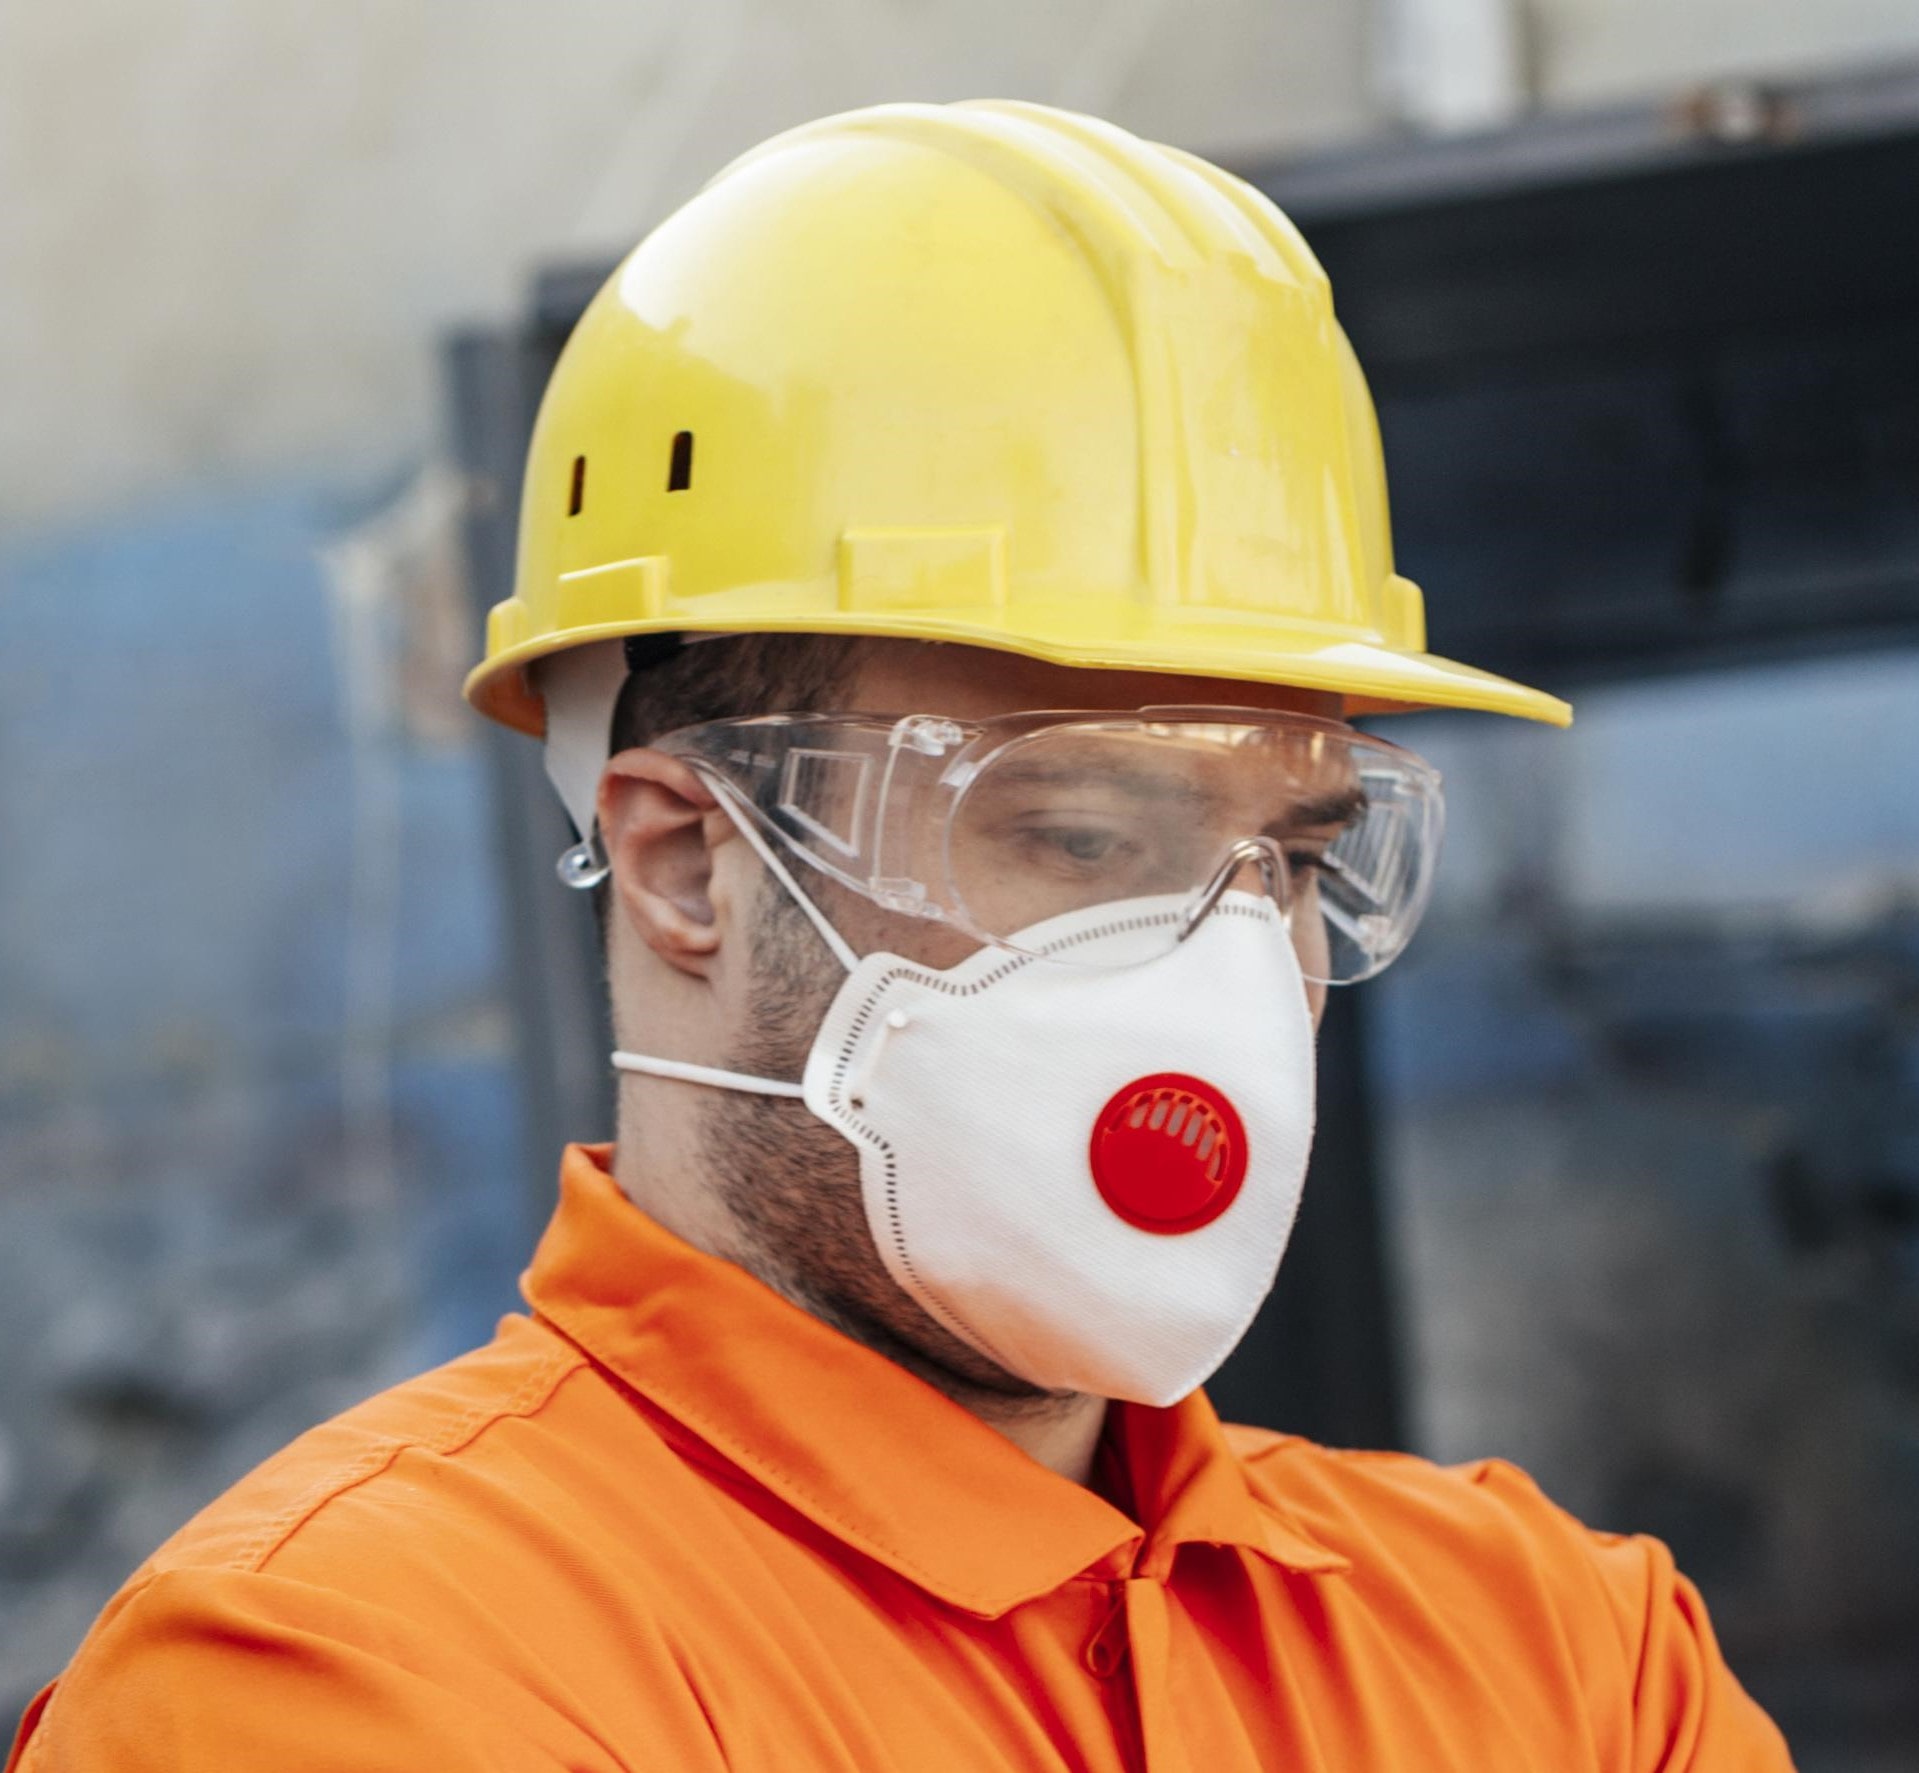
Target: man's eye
(1082,847)
(1079,843)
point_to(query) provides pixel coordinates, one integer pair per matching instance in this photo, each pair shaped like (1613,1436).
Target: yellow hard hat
(989,373)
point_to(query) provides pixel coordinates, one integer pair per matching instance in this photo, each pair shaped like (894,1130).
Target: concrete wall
(233,230)
(1598,51)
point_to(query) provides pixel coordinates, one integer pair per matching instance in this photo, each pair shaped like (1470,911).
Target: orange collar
(859,1446)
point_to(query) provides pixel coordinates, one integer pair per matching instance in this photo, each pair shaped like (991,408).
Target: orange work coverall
(669,1521)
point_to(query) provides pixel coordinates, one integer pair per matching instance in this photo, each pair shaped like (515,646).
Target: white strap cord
(710,1075)
(581,687)
(728,797)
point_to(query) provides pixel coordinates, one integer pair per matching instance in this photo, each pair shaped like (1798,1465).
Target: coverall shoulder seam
(455,1435)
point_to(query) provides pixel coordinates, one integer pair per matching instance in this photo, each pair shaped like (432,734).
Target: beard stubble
(791,1183)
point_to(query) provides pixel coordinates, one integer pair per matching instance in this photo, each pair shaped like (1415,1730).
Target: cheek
(869,930)
(933,945)
(930,944)
(1311,944)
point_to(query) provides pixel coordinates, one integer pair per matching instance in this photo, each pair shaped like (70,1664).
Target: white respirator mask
(1087,1172)
(1082,1148)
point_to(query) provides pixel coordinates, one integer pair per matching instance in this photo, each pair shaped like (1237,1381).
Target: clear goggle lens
(1000,826)
(1340,831)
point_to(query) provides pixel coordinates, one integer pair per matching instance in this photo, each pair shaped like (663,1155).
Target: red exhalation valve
(1169,1153)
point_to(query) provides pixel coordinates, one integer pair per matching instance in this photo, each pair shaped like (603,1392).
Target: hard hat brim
(1374,679)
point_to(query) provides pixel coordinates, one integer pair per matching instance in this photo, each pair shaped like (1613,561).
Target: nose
(1259,856)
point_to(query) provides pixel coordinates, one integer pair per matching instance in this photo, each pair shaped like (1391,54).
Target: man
(952,547)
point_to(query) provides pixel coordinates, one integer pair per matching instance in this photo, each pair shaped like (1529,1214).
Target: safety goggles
(997,826)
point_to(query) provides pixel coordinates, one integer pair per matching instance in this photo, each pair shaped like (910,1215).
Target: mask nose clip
(1258,852)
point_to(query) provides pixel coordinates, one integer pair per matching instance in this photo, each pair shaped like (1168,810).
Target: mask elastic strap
(681,1072)
(725,793)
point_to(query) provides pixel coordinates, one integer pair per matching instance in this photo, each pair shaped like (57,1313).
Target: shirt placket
(1149,1641)
(1134,1643)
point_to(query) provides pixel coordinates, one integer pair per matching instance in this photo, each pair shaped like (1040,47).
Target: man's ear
(658,824)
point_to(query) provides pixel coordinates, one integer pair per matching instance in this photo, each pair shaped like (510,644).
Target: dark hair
(672,685)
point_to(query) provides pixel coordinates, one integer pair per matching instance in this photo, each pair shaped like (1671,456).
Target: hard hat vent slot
(680,475)
(577,497)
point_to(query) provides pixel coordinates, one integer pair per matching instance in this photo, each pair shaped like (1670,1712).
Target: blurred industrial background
(1620,1176)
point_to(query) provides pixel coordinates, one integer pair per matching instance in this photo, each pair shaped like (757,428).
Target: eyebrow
(1148,783)
(1341,807)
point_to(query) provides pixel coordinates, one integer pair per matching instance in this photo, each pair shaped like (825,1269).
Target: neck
(660,1176)
(1064,1438)
(1059,1429)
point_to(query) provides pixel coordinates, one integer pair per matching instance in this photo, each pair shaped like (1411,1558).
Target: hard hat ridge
(988,373)
(1126,196)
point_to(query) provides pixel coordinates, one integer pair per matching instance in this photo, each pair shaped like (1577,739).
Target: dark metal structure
(1649,384)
